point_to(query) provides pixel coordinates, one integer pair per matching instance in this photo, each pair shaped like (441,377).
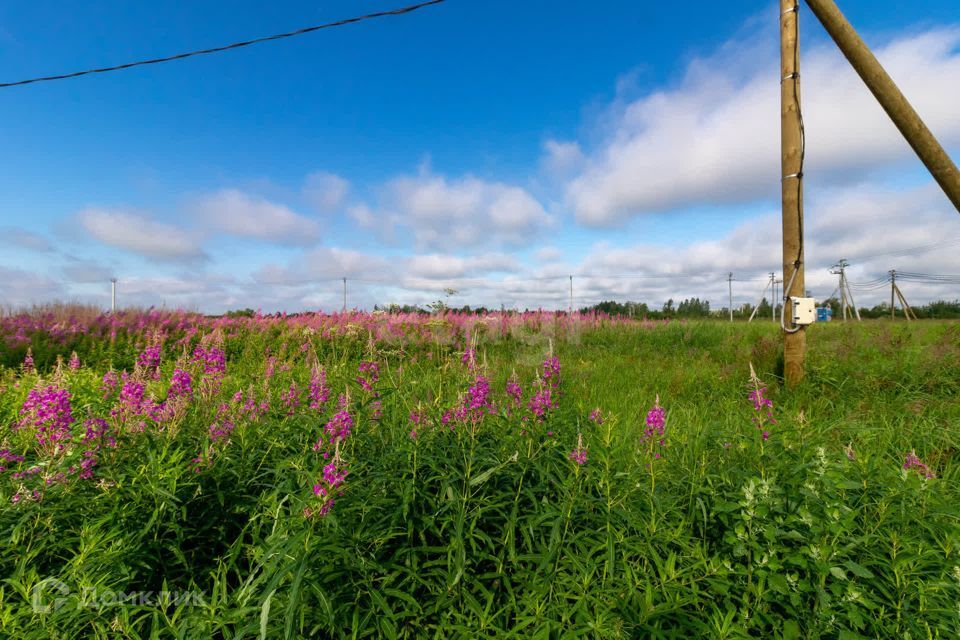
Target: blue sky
(473,145)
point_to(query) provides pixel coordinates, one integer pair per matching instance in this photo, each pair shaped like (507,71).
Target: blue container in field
(824,314)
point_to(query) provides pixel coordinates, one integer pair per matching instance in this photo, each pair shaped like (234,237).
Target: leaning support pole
(791,163)
(887,93)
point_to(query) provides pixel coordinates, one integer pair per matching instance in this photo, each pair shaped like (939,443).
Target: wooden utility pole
(344,295)
(570,307)
(887,93)
(791,185)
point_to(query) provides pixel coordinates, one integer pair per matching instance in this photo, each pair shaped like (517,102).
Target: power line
(228,47)
(910,250)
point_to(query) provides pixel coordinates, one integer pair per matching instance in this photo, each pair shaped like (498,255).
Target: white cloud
(715,137)
(326,264)
(86,271)
(139,234)
(19,288)
(325,191)
(25,239)
(561,157)
(459,213)
(241,214)
(437,266)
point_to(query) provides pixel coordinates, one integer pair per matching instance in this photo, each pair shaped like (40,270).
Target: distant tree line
(697,308)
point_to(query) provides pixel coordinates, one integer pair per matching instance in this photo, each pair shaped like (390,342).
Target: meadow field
(167,475)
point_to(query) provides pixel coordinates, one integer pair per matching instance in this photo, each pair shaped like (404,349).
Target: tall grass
(483,526)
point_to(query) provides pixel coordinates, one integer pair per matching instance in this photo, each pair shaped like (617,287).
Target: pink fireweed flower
(762,405)
(654,432)
(416,419)
(514,391)
(369,375)
(8,457)
(541,402)
(469,358)
(48,413)
(150,360)
(913,462)
(28,366)
(180,385)
(291,399)
(551,372)
(477,401)
(319,391)
(596,417)
(220,431)
(339,426)
(109,383)
(74,361)
(132,397)
(579,454)
(328,488)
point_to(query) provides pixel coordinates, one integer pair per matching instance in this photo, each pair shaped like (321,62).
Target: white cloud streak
(139,234)
(714,139)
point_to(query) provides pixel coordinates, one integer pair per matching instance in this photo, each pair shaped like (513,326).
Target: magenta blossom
(579,453)
(913,462)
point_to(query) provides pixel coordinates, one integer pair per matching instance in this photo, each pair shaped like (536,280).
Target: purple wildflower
(913,462)
(48,412)
(74,361)
(579,454)
(319,391)
(180,385)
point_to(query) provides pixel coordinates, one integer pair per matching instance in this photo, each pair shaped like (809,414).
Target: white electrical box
(804,311)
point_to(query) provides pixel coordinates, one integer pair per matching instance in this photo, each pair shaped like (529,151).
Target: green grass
(491,531)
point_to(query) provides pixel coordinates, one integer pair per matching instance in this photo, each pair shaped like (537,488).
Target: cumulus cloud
(325,263)
(434,266)
(24,239)
(561,157)
(465,212)
(139,234)
(241,214)
(20,288)
(325,191)
(714,138)
(82,271)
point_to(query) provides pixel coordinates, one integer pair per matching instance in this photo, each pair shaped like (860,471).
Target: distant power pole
(344,295)
(570,310)
(113,295)
(893,288)
(730,292)
(773,296)
(846,295)
(776,296)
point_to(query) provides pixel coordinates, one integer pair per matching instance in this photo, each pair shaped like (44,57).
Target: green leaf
(858,570)
(838,573)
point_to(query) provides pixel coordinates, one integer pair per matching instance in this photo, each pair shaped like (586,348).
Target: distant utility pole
(730,293)
(791,186)
(113,295)
(776,298)
(893,288)
(773,296)
(344,295)
(846,294)
(570,309)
